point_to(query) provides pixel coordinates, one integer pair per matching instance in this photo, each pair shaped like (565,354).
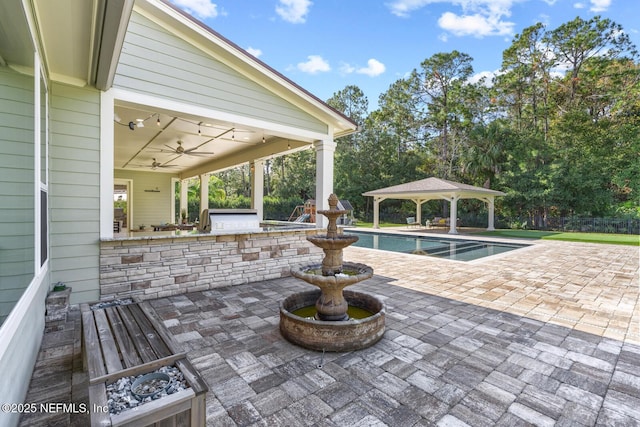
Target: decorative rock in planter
(125,342)
(132,391)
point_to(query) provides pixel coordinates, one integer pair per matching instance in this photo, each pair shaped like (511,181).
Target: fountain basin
(337,243)
(351,273)
(321,335)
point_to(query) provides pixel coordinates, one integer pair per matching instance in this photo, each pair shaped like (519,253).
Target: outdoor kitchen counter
(156,266)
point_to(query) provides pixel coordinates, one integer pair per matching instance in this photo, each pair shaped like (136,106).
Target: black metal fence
(586,225)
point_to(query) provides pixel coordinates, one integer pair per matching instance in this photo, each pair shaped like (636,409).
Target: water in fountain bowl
(309,312)
(344,273)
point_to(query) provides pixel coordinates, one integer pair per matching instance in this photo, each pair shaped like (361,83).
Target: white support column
(204,192)
(376,212)
(491,203)
(257,187)
(184,197)
(106,165)
(453,214)
(325,150)
(418,203)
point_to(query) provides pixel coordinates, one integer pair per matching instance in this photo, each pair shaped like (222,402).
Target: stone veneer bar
(158,266)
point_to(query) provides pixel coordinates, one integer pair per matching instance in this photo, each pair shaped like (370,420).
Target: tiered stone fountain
(320,319)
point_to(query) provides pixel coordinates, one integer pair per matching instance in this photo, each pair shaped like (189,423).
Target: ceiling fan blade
(199,153)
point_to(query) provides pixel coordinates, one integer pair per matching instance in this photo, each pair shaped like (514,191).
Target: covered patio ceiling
(153,140)
(430,189)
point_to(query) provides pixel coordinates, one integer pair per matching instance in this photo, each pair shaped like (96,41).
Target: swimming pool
(441,247)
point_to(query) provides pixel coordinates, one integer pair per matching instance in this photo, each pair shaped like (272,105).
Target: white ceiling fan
(155,165)
(180,150)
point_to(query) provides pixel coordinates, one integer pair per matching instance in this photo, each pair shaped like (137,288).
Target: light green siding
(16,187)
(74,191)
(151,199)
(158,63)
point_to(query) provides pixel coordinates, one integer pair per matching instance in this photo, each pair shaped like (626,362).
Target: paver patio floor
(546,335)
(543,336)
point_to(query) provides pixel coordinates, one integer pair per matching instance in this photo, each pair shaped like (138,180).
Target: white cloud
(403,8)
(347,68)
(479,18)
(475,25)
(254,52)
(579,5)
(487,75)
(374,68)
(315,64)
(598,6)
(199,8)
(294,11)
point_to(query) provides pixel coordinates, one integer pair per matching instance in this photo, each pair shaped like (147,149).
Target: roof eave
(112,22)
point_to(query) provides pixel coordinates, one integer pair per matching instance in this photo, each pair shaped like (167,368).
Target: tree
(483,159)
(525,78)
(597,40)
(439,85)
(294,176)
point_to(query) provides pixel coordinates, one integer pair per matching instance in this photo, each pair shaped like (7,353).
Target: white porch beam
(257,187)
(184,197)
(325,150)
(106,165)
(204,192)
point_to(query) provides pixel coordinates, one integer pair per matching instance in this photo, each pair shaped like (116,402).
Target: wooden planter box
(130,340)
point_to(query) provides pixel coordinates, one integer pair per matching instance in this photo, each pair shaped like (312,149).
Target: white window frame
(39,186)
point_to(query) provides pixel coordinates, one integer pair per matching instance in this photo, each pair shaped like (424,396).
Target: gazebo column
(257,187)
(376,212)
(418,203)
(453,214)
(325,150)
(491,204)
(204,192)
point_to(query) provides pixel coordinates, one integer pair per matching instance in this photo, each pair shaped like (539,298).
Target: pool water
(441,247)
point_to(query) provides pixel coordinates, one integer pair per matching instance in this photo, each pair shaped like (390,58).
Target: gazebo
(434,188)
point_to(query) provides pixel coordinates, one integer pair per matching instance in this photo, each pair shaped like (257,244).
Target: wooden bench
(126,340)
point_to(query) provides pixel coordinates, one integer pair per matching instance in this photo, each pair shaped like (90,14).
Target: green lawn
(616,239)
(382,224)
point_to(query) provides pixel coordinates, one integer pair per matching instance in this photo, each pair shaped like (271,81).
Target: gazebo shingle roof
(431,185)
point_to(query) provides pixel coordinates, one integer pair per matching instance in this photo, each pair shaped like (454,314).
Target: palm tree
(483,158)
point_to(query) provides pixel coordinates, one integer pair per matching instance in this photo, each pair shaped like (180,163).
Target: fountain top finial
(333,202)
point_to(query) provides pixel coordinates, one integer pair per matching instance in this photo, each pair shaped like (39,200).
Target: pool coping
(526,242)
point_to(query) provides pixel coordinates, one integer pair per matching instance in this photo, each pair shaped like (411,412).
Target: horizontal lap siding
(186,74)
(16,187)
(147,202)
(74,192)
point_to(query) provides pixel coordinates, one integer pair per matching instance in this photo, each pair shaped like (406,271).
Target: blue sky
(325,45)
